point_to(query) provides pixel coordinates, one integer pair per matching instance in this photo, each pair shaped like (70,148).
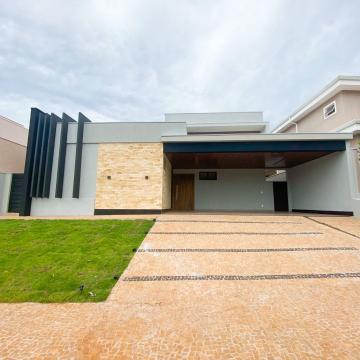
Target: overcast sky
(136,60)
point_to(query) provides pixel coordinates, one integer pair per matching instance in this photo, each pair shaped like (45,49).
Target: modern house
(13,139)
(214,161)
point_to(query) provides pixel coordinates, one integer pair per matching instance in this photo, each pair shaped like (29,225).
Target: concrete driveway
(208,286)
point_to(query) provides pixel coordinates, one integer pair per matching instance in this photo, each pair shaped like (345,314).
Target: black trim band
(253,146)
(126,211)
(326,212)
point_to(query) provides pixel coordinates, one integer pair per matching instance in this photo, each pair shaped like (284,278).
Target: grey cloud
(135,60)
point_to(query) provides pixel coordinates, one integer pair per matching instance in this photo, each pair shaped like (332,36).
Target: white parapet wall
(322,184)
(67,205)
(5,187)
(354,180)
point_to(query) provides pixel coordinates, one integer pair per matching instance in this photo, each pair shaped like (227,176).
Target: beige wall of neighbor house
(166,187)
(13,131)
(136,174)
(347,109)
(351,105)
(13,139)
(12,159)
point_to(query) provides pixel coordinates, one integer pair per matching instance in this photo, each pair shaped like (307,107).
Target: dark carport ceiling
(241,160)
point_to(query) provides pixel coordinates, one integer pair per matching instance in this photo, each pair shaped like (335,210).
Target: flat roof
(216,117)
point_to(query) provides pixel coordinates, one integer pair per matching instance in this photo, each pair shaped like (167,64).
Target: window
(329,110)
(207,175)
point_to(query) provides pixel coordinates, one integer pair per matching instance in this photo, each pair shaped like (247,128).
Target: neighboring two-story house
(335,109)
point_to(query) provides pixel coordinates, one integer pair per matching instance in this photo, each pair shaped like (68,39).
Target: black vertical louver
(50,154)
(40,154)
(43,148)
(62,154)
(29,161)
(37,155)
(78,157)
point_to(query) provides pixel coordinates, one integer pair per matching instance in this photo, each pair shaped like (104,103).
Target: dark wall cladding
(40,154)
(16,193)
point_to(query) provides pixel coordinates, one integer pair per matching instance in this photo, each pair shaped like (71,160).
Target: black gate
(16,193)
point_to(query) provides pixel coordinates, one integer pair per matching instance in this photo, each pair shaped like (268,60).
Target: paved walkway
(212,287)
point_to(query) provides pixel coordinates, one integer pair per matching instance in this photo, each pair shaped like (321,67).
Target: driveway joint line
(332,227)
(228,222)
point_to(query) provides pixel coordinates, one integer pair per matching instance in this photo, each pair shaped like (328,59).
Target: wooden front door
(183,192)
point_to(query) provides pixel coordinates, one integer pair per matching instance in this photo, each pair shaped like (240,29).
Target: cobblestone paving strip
(241,277)
(250,250)
(233,233)
(332,227)
(228,222)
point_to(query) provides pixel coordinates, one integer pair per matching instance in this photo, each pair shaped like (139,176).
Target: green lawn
(48,260)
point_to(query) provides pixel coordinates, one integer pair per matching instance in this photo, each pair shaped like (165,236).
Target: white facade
(5,186)
(322,184)
(234,190)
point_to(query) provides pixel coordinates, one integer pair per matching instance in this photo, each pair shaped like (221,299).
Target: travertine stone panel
(136,171)
(166,195)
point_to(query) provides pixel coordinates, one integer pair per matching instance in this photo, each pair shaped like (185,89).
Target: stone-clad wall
(128,165)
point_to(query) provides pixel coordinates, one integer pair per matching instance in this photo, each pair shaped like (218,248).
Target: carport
(227,172)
